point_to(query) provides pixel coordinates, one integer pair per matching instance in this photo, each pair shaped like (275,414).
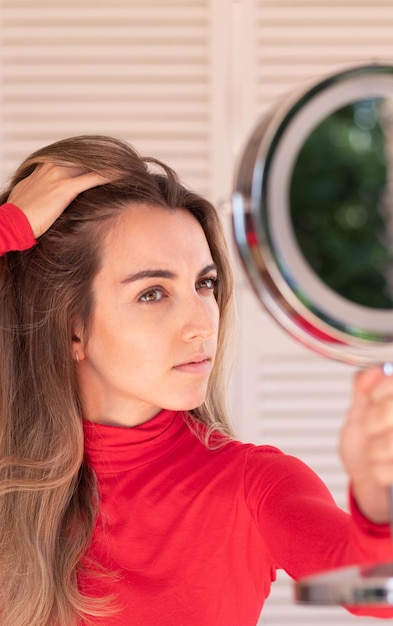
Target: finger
(380,449)
(378,419)
(366,380)
(88,180)
(380,460)
(53,172)
(63,171)
(373,385)
(383,389)
(51,182)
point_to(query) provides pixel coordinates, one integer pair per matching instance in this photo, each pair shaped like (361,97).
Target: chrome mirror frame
(290,291)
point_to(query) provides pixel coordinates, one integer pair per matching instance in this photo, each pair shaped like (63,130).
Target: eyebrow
(157,273)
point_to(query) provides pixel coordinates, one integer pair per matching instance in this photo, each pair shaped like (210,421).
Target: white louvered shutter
(136,69)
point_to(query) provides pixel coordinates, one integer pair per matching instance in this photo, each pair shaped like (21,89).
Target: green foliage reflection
(339,204)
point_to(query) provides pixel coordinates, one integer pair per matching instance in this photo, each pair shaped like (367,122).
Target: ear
(77,346)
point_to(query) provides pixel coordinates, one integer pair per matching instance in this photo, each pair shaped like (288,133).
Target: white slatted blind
(304,417)
(302,40)
(292,398)
(136,69)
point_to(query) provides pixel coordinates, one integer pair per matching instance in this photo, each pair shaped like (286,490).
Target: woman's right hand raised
(49,189)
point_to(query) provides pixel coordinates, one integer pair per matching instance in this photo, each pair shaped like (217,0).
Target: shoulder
(255,465)
(276,464)
(271,475)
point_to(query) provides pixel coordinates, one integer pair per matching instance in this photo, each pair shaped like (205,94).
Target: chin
(188,404)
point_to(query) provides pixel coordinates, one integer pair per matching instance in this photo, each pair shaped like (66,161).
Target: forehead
(153,235)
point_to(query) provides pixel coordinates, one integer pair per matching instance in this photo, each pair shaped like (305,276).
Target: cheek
(105,338)
(216,316)
(123,347)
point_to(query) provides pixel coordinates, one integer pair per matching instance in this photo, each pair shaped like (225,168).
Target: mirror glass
(313,214)
(340,206)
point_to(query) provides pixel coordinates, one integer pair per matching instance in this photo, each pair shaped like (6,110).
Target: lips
(197,364)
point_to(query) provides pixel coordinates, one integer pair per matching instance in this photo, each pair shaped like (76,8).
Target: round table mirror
(313,223)
(313,215)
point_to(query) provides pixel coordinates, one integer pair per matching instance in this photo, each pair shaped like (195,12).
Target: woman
(124,496)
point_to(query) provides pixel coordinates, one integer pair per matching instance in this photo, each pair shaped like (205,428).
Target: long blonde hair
(48,499)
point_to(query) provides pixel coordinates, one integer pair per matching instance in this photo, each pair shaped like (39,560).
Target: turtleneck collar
(111,449)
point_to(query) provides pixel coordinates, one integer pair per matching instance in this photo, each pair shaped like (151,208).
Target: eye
(152,295)
(209,283)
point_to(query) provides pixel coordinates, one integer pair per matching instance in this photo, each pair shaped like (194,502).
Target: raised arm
(305,531)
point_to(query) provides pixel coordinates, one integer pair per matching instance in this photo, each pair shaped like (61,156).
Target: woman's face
(155,319)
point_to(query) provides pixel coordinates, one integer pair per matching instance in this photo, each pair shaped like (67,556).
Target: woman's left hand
(366,443)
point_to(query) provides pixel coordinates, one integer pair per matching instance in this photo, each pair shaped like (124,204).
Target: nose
(200,318)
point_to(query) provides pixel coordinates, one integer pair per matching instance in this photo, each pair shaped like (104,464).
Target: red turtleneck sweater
(15,230)
(194,535)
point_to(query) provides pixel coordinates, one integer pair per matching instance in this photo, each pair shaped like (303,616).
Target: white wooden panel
(138,70)
(297,41)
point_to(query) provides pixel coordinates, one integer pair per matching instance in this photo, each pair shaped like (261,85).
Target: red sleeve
(372,541)
(305,531)
(15,229)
